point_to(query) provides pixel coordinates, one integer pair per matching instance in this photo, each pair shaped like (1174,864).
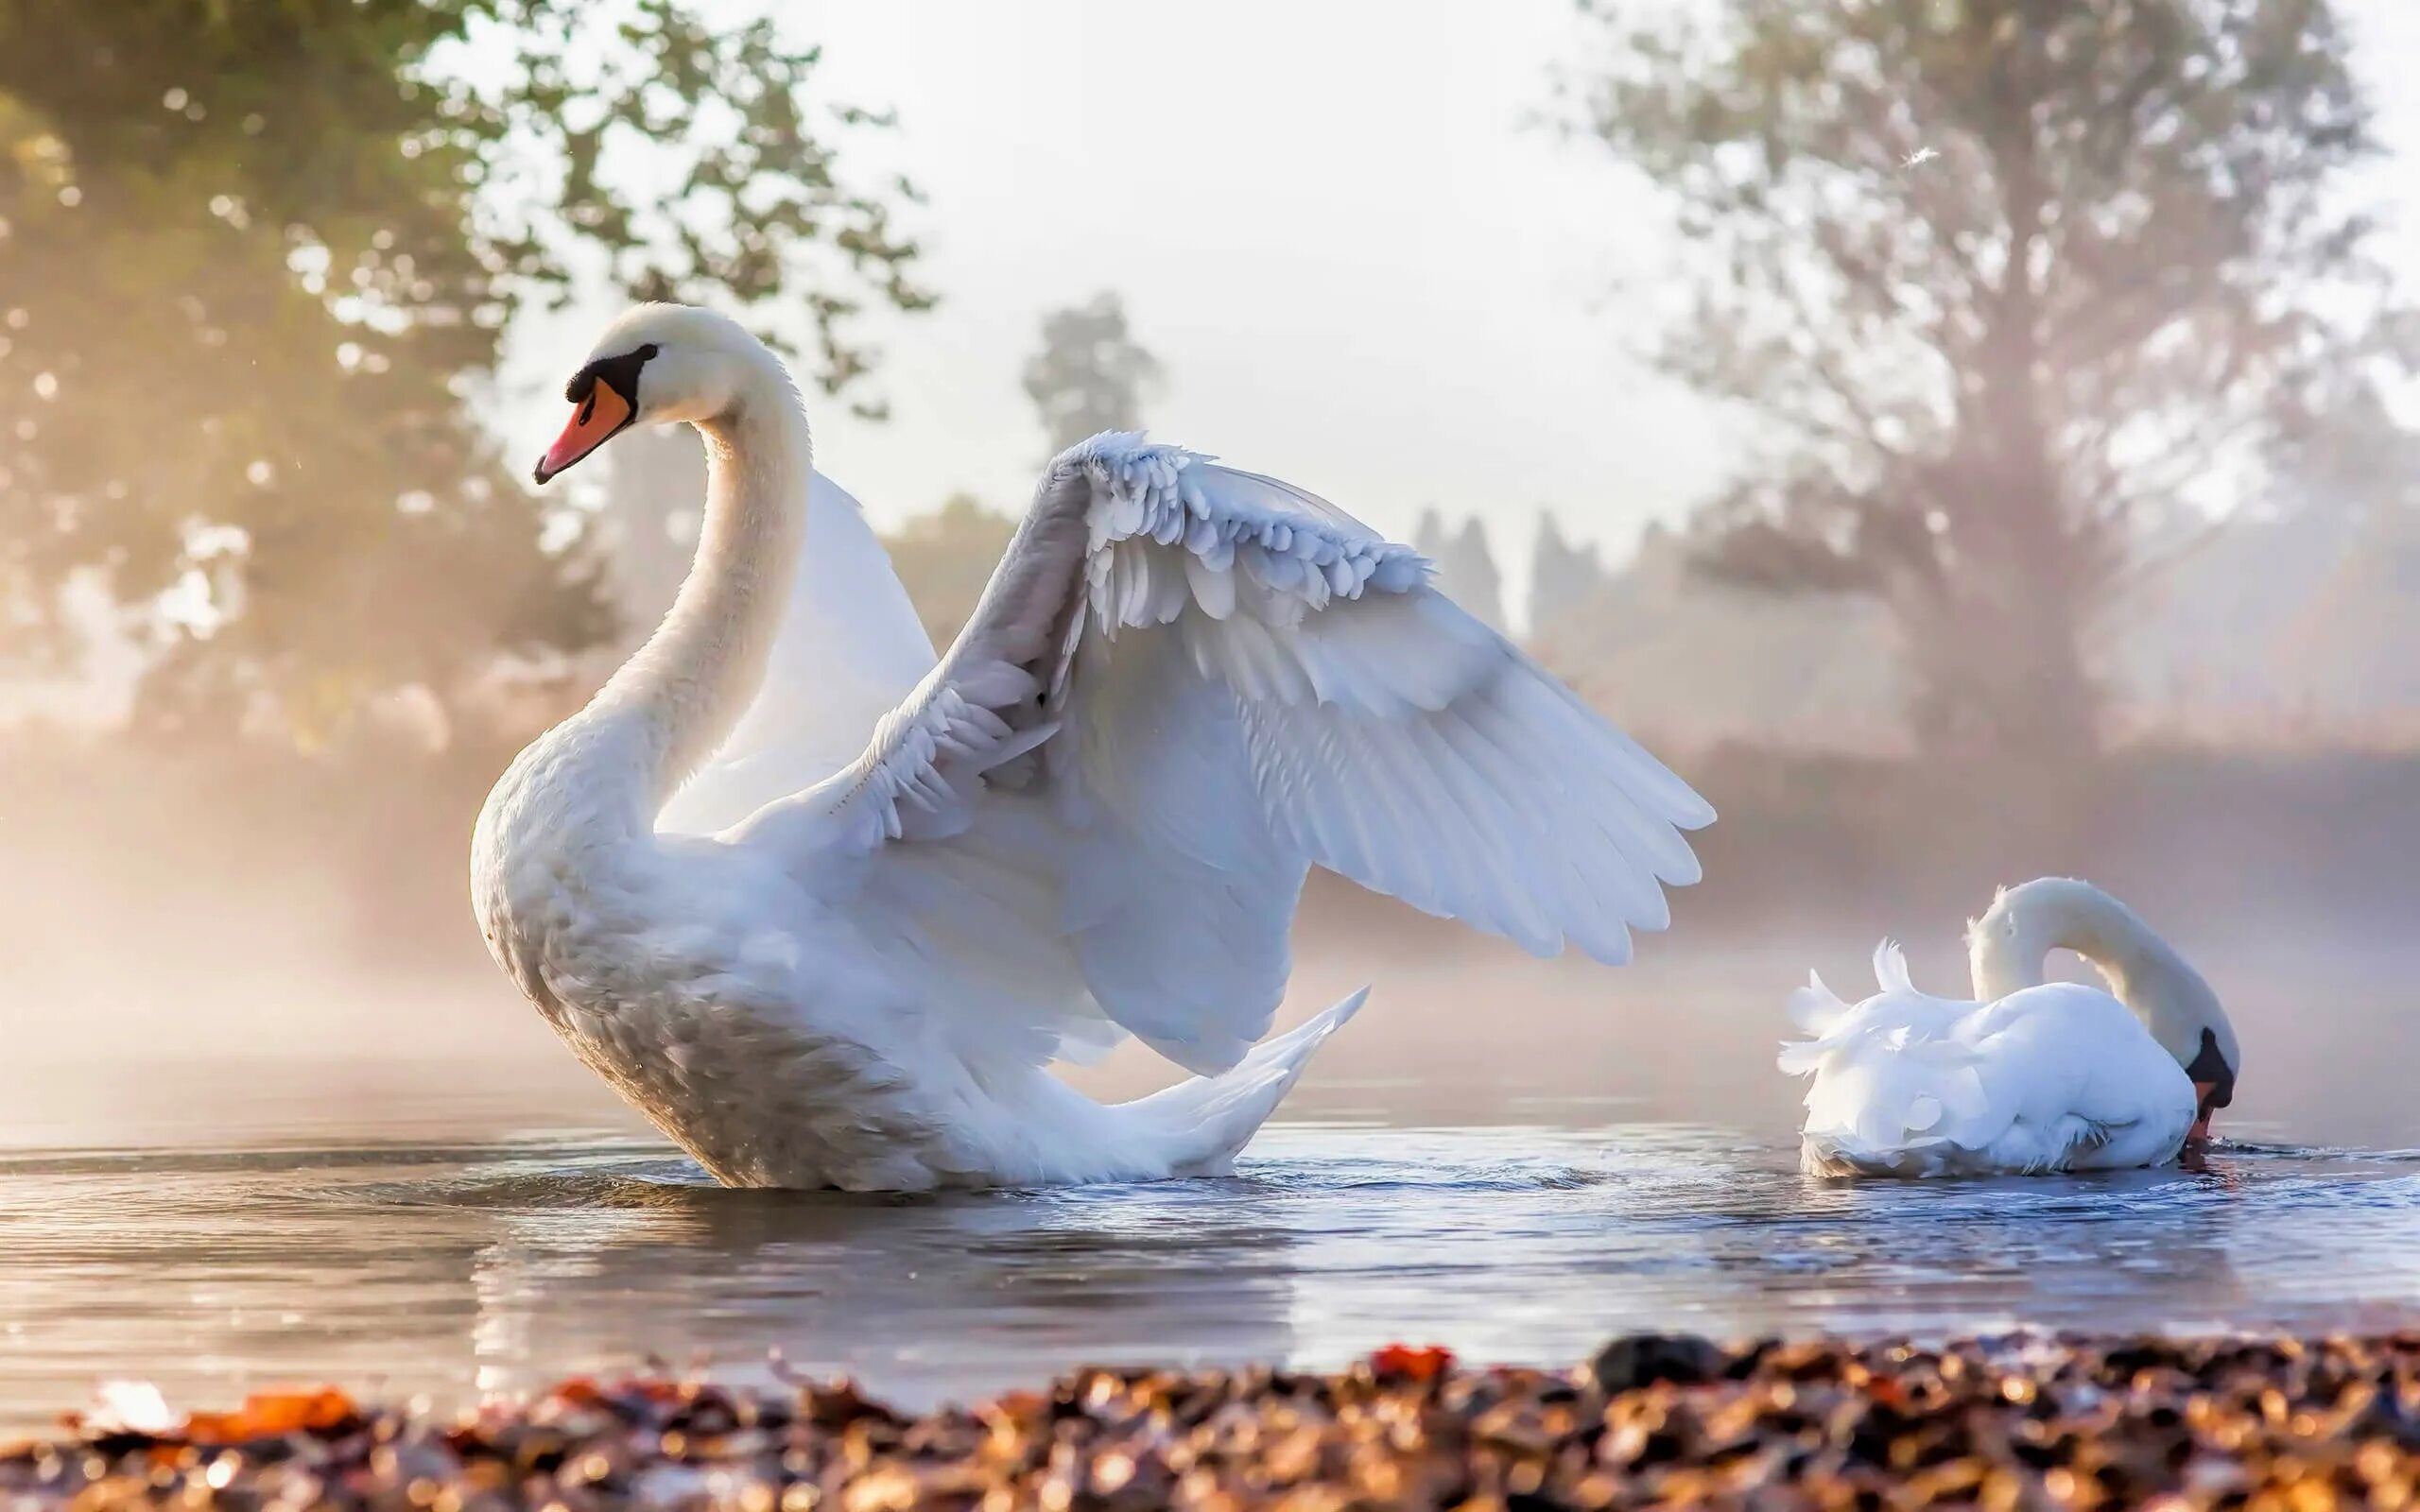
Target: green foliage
(1090,374)
(255,262)
(688,154)
(2005,285)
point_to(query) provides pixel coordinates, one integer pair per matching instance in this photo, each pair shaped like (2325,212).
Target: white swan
(2027,1077)
(845,953)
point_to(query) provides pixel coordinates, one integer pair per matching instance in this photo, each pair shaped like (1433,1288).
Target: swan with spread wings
(825,908)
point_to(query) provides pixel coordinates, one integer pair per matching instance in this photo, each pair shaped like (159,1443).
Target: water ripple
(463,1269)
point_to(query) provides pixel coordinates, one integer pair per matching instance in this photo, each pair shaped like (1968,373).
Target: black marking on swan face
(608,378)
(622,372)
(2208,1068)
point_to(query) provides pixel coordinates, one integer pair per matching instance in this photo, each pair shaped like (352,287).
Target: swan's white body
(2027,1077)
(845,951)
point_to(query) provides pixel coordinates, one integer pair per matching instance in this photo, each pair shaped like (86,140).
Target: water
(413,1190)
(466,1270)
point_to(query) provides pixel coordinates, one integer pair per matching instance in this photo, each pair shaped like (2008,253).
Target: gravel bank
(2294,1424)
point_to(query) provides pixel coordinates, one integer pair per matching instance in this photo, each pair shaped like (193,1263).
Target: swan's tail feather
(1820,1013)
(1207,1120)
(1891,968)
(1880,1098)
(1816,1008)
(1891,1091)
(1799,1058)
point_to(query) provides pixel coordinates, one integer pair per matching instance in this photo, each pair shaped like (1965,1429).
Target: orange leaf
(268,1413)
(580,1391)
(1408,1363)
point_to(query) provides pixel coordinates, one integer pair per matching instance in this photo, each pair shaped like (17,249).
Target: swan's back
(2052,1079)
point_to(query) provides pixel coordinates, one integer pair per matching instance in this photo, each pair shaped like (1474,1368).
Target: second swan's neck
(2011,945)
(2142,971)
(664,712)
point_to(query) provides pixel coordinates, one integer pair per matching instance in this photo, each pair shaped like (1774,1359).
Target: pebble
(2297,1425)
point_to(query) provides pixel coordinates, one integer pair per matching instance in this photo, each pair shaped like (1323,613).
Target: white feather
(849,648)
(2051,1078)
(1184,686)
(1222,740)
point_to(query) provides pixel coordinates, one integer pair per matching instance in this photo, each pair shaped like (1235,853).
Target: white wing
(1196,683)
(850,648)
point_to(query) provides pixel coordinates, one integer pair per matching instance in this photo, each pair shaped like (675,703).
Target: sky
(1367,261)
(1363,264)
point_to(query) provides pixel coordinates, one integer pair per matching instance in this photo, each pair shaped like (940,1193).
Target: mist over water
(398,1181)
(1986,365)
(230,1031)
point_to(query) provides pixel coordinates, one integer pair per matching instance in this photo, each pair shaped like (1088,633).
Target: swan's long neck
(667,708)
(2142,969)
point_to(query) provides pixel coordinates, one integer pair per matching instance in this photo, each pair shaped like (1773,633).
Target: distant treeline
(358,854)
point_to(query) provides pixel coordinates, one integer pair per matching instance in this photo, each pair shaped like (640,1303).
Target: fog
(188,970)
(278,609)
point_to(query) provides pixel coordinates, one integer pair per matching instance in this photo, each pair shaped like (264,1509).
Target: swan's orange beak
(2201,1132)
(593,424)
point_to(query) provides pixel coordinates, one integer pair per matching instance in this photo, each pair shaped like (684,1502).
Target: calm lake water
(474,1214)
(464,1270)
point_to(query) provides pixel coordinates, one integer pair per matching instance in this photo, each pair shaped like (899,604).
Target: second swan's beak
(596,419)
(2201,1131)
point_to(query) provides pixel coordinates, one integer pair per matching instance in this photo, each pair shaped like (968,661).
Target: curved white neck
(2143,971)
(664,712)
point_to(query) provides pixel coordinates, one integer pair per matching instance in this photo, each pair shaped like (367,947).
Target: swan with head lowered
(2029,1075)
(825,908)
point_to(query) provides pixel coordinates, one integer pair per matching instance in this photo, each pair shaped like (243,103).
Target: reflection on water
(407,1188)
(461,1270)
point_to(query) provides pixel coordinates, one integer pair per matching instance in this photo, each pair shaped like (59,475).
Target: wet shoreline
(2024,1421)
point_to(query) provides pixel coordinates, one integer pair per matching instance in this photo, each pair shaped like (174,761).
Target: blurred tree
(2355,646)
(945,558)
(1471,574)
(254,265)
(1090,374)
(1465,567)
(2005,283)
(1563,576)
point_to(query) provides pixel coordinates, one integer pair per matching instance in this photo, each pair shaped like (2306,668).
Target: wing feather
(1209,681)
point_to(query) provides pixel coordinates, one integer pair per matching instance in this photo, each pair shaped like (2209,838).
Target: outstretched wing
(1207,681)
